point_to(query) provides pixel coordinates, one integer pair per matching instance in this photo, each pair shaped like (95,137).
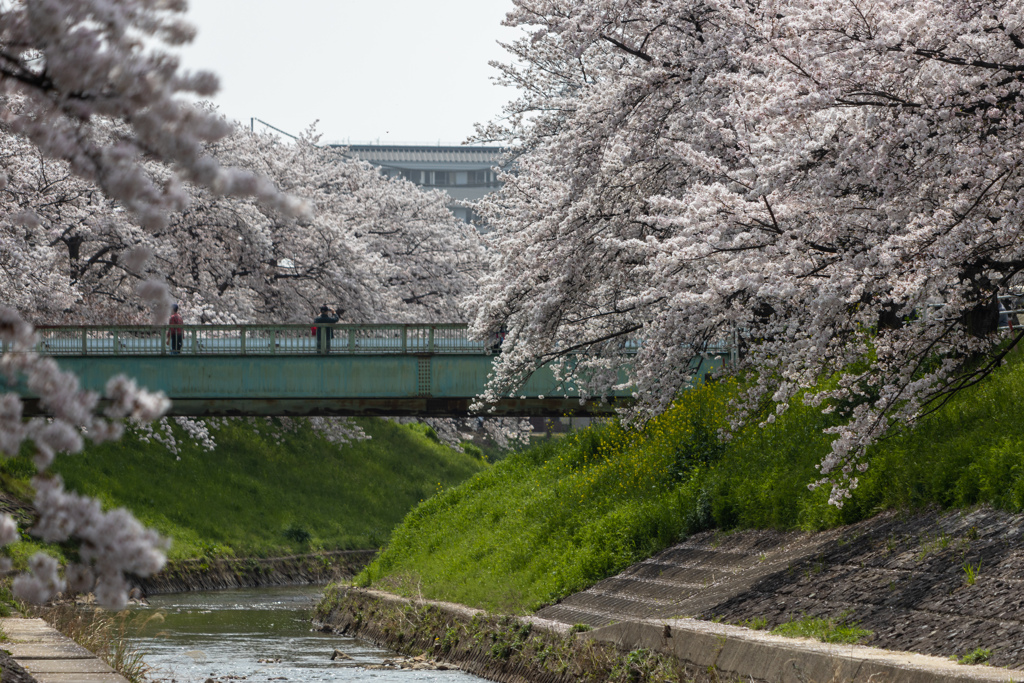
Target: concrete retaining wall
(199,575)
(511,649)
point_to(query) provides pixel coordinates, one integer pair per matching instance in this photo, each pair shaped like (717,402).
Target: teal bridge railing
(387,369)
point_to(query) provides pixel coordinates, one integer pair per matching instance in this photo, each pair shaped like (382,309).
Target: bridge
(387,370)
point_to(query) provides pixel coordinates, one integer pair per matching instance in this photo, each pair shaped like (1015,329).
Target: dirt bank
(200,575)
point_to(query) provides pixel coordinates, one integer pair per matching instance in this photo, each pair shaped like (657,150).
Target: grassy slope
(253,496)
(559,517)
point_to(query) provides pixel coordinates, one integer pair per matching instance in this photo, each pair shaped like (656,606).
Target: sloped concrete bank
(203,575)
(515,650)
(943,584)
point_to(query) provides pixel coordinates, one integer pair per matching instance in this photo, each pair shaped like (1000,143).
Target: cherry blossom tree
(810,178)
(379,249)
(89,83)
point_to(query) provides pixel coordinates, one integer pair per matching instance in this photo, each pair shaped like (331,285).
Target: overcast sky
(393,70)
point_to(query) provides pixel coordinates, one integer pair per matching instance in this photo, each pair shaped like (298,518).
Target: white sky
(393,70)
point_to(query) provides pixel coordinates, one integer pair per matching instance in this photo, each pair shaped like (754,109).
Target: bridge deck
(397,369)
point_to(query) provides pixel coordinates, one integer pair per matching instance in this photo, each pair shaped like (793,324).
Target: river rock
(338,654)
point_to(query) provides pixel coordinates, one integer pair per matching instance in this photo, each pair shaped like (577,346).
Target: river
(257,635)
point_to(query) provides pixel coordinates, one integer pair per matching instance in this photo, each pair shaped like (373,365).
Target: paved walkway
(51,657)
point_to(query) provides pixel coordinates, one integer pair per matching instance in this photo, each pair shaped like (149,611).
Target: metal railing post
(273,340)
(117,343)
(351,340)
(405,337)
(430,340)
(195,346)
(242,339)
(85,342)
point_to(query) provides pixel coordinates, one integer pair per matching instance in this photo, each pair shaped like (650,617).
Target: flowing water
(260,634)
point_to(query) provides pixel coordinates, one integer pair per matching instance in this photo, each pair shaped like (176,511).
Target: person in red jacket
(175,334)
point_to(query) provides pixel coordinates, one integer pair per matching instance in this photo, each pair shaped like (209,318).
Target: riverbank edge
(180,576)
(500,648)
(513,649)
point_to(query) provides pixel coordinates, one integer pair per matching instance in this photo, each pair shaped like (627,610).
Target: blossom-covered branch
(66,65)
(111,544)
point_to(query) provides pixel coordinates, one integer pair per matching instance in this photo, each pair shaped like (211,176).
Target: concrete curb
(52,657)
(746,654)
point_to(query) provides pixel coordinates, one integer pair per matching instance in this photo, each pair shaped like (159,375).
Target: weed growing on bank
(826,630)
(978,655)
(556,518)
(262,493)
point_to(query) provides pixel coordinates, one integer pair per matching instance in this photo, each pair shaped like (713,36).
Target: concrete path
(51,657)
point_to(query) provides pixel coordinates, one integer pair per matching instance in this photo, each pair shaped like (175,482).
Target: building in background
(464,172)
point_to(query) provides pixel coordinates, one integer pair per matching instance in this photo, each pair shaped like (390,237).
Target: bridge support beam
(382,407)
(419,385)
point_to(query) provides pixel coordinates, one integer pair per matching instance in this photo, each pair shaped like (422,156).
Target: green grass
(554,519)
(254,497)
(978,655)
(754,624)
(825,630)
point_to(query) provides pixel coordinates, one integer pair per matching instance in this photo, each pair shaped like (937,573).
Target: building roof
(411,156)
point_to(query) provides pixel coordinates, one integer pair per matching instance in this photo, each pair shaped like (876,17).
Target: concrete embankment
(202,575)
(943,584)
(511,649)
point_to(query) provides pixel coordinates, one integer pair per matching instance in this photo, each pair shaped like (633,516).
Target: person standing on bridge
(175,334)
(324,334)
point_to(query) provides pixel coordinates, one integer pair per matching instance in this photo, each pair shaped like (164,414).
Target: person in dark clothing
(175,334)
(324,334)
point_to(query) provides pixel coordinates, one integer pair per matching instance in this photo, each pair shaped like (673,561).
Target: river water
(257,635)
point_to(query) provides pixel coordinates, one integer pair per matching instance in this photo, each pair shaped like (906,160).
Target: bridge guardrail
(151,340)
(270,340)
